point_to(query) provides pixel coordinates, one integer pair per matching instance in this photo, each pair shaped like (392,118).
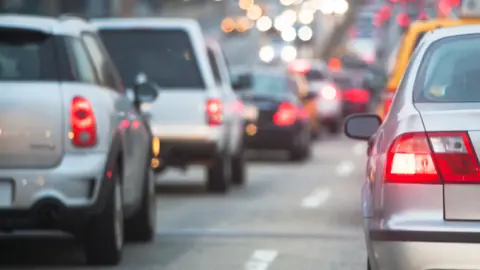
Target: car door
(124,114)
(231,101)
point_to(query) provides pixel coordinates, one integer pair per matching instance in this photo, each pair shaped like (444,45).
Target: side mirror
(362,126)
(145,92)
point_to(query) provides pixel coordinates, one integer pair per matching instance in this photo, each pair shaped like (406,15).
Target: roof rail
(71,16)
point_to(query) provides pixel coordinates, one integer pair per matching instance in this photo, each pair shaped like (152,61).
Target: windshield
(26,56)
(450,71)
(271,84)
(165,56)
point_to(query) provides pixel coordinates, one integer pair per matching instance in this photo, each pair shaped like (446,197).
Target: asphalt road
(289,216)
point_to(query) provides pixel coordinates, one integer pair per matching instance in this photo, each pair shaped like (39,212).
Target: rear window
(450,71)
(27,56)
(315,75)
(165,56)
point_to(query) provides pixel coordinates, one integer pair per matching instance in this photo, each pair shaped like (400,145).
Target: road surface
(289,216)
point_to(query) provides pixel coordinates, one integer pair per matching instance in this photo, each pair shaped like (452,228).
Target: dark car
(275,118)
(355,98)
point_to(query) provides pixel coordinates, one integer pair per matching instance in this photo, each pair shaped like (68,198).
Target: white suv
(197,116)
(74,152)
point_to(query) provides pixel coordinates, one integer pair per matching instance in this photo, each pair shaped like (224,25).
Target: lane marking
(261,259)
(360,149)
(316,199)
(345,168)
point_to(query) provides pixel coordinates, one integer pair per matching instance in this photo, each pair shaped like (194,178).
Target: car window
(27,56)
(82,65)
(102,62)
(165,56)
(215,70)
(450,71)
(315,75)
(270,84)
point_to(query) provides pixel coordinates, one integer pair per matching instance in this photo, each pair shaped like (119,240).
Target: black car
(274,116)
(355,99)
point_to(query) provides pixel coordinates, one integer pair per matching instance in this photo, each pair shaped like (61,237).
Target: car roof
(452,31)
(64,25)
(144,23)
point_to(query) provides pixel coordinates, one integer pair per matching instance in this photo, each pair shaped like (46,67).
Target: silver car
(421,197)
(74,152)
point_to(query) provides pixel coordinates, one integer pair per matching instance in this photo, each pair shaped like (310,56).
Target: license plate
(251,113)
(5,193)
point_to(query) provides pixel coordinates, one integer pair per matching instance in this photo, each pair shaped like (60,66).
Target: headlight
(305,33)
(266,54)
(289,53)
(289,34)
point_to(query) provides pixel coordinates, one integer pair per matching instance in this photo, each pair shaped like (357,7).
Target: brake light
(300,66)
(329,92)
(285,115)
(387,103)
(214,112)
(83,124)
(422,158)
(356,95)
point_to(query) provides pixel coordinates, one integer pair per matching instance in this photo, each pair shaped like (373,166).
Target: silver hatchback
(421,197)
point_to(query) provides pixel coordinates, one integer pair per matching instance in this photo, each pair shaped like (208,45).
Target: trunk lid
(461,201)
(266,105)
(31,125)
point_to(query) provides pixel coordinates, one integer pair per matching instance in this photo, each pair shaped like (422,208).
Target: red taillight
(387,103)
(300,66)
(214,112)
(356,95)
(285,115)
(403,19)
(83,123)
(329,92)
(425,158)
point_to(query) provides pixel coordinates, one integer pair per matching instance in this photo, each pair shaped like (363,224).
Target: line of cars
(421,187)
(94,109)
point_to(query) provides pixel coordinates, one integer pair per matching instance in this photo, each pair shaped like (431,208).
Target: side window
(80,61)
(103,65)
(215,69)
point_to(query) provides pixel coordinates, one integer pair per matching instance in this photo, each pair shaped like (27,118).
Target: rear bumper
(354,107)
(272,138)
(182,152)
(425,250)
(73,192)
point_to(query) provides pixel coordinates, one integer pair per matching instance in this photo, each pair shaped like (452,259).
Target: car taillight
(388,99)
(214,112)
(83,123)
(285,115)
(356,95)
(329,92)
(425,158)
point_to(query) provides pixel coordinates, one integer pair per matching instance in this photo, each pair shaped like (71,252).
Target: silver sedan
(421,197)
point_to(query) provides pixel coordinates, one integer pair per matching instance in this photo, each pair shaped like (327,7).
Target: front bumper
(425,250)
(73,191)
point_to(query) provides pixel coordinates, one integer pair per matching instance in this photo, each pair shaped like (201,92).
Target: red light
(214,112)
(136,124)
(285,115)
(423,16)
(356,95)
(412,157)
(403,19)
(455,3)
(299,66)
(83,123)
(334,64)
(329,92)
(387,103)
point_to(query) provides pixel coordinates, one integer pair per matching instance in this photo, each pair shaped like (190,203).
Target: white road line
(261,259)
(316,199)
(360,149)
(345,168)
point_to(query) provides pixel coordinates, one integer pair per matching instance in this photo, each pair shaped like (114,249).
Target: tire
(141,226)
(301,152)
(218,175)
(104,235)
(238,168)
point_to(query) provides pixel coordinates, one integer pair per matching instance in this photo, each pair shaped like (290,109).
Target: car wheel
(104,236)
(301,153)
(141,226)
(218,175)
(238,168)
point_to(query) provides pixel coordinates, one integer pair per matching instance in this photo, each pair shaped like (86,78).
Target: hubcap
(118,216)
